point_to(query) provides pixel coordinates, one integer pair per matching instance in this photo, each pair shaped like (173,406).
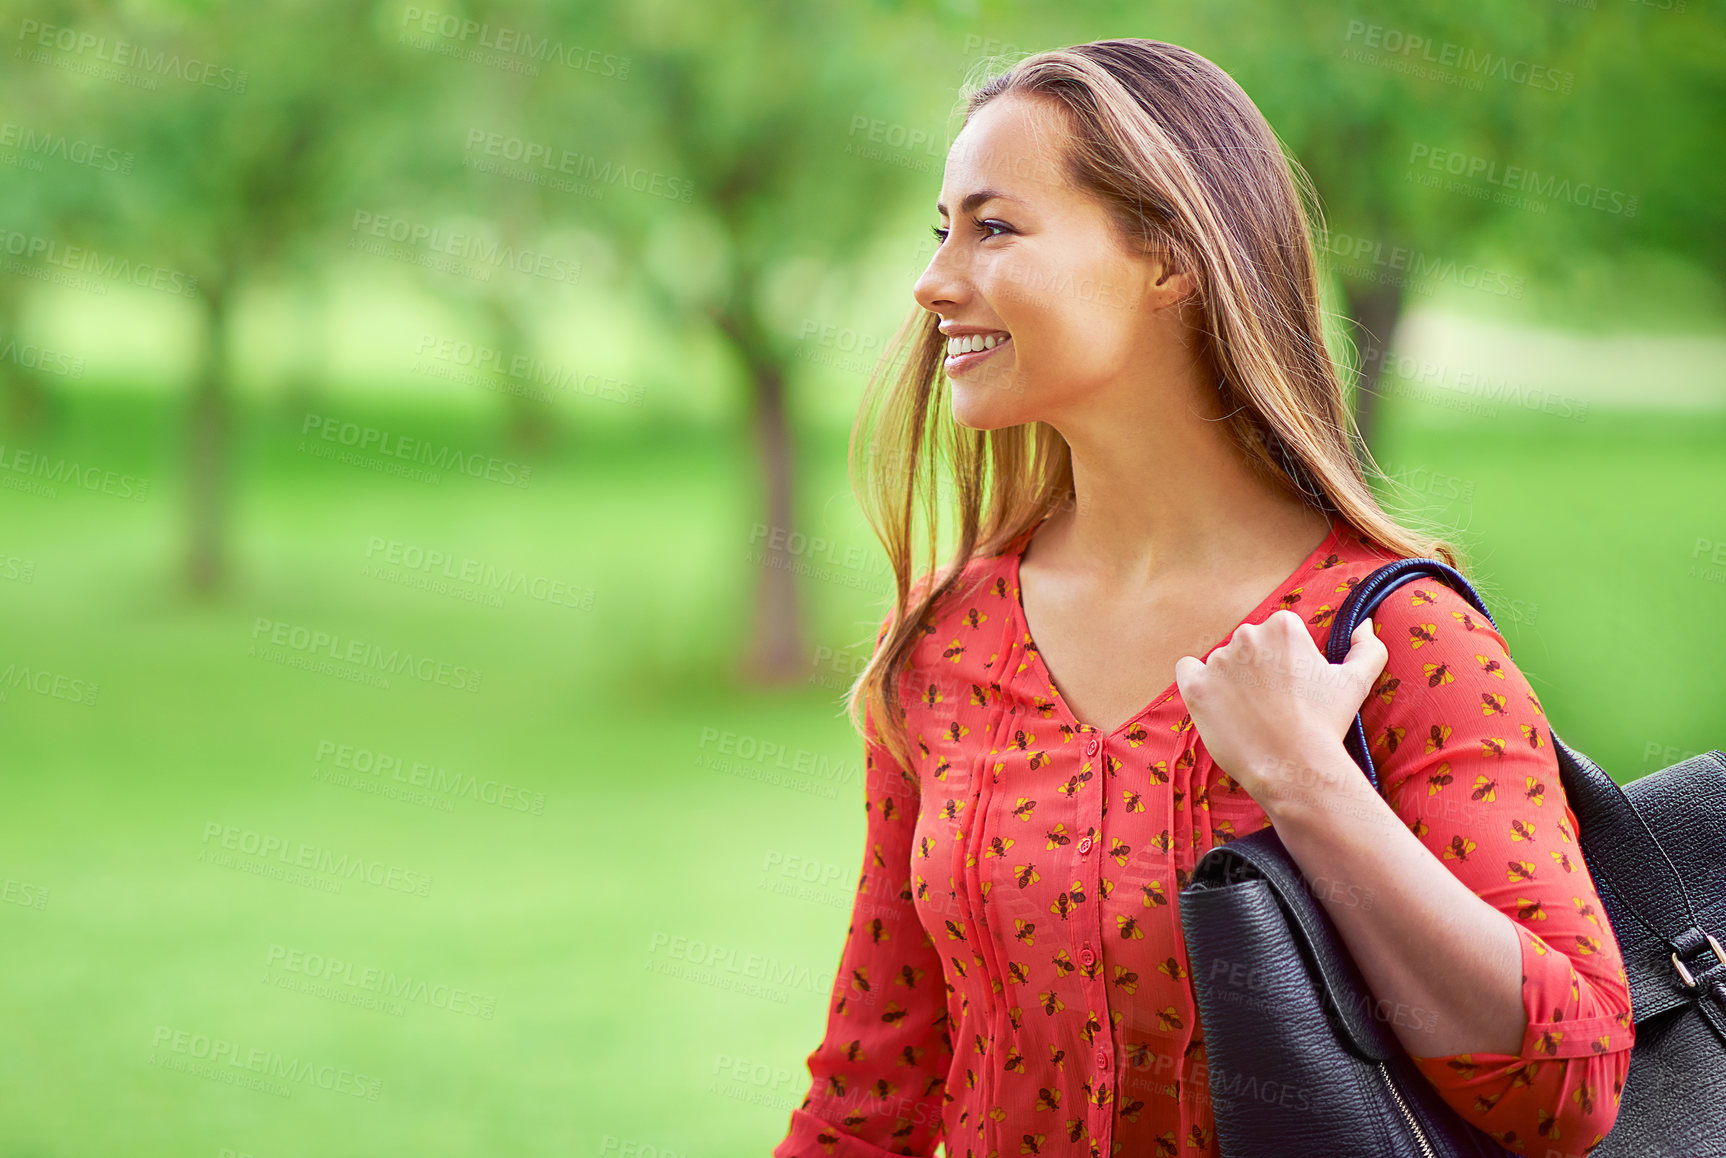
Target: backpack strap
(1367,594)
(1619,847)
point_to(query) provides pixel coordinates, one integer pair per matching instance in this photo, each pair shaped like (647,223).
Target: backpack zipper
(1408,1116)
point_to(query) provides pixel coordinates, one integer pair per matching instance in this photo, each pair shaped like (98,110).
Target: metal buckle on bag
(1689,980)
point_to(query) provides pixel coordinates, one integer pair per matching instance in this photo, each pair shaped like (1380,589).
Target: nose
(945,282)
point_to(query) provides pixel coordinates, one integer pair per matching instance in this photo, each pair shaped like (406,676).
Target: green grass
(555,916)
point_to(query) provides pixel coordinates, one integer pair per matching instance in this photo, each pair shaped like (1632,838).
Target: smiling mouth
(960,362)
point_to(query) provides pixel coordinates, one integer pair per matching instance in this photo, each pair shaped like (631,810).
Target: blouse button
(1091,746)
(1086,957)
(1102,1059)
(1085,846)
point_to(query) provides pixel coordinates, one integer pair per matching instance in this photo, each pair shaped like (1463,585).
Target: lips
(958,363)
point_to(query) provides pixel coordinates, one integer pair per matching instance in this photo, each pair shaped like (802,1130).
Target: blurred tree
(1365,100)
(55,176)
(1472,133)
(242,148)
(518,209)
(721,141)
(1511,138)
(749,107)
(1623,171)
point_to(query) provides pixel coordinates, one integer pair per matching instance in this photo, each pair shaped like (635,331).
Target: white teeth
(972,343)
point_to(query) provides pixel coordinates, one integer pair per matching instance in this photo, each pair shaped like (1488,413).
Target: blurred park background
(429,577)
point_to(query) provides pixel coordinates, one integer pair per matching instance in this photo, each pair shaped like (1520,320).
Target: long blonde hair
(1188,168)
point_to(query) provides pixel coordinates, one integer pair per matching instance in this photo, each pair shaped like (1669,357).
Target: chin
(988,401)
(973,408)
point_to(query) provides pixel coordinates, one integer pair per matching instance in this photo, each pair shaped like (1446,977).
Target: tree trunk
(1374,307)
(529,426)
(207,447)
(29,404)
(775,653)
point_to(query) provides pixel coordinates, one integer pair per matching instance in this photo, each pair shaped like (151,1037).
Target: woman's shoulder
(982,586)
(1426,622)
(1352,557)
(962,638)
(1448,672)
(1426,602)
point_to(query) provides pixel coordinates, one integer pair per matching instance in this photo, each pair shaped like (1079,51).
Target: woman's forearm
(1445,965)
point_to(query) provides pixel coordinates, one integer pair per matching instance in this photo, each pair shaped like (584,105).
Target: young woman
(1157,487)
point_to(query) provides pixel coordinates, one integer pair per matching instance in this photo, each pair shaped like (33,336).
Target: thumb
(1366,651)
(1186,667)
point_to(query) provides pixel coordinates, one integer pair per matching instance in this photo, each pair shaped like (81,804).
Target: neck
(1156,499)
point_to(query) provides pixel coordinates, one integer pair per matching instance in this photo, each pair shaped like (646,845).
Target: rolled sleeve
(1466,759)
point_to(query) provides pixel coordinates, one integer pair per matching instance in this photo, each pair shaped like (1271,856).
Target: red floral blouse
(1014,979)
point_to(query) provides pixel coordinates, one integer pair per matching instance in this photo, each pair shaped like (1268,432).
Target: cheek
(1079,299)
(1060,352)
(1054,328)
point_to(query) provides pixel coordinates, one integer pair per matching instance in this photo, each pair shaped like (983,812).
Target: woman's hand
(1270,708)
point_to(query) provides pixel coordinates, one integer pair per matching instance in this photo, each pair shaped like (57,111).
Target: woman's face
(1036,263)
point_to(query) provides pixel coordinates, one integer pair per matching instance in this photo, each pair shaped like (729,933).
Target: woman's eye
(982,227)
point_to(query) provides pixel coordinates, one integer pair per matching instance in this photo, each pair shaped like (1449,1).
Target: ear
(1169,283)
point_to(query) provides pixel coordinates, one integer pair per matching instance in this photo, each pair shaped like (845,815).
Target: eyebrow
(973,200)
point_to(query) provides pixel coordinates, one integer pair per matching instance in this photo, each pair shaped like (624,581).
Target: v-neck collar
(1264,609)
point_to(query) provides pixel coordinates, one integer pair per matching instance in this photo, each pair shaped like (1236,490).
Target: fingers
(1186,668)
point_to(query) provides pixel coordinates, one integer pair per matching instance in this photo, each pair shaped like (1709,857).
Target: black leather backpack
(1657,852)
